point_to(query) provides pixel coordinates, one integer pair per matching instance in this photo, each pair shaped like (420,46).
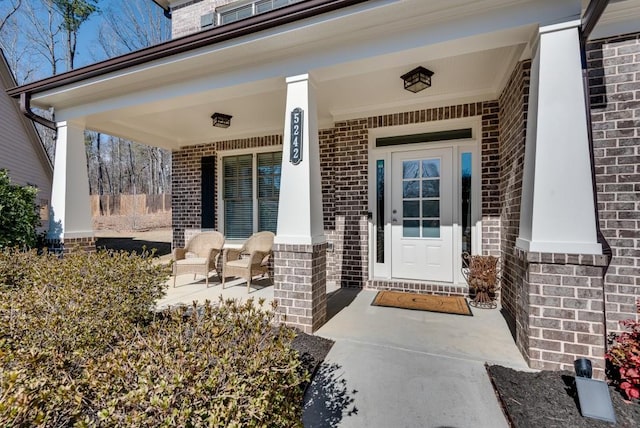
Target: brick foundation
(300,284)
(87,244)
(561,315)
(422,287)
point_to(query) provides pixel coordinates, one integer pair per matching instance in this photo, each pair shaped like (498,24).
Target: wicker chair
(199,256)
(252,259)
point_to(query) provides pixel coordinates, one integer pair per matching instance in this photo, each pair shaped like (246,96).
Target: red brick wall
(614,80)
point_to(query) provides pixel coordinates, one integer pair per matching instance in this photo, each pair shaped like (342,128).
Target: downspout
(25,108)
(592,15)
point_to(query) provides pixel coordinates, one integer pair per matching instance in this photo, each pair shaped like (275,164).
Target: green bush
(18,213)
(79,346)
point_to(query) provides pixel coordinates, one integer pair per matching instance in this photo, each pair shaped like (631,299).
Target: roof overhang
(164,4)
(355,51)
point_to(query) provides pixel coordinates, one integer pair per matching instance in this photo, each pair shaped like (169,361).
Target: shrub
(625,356)
(224,367)
(79,346)
(55,316)
(18,213)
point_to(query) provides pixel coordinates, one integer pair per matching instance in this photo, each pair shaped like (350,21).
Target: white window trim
(220,182)
(230,7)
(473,145)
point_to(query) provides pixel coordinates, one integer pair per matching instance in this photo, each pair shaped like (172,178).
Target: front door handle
(394,220)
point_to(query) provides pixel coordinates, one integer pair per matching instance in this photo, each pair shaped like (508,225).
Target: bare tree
(19,59)
(11,7)
(42,30)
(133,25)
(74,13)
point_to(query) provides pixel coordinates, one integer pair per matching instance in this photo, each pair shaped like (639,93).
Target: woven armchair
(199,257)
(250,260)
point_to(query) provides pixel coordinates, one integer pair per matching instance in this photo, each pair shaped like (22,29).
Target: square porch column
(558,206)
(70,217)
(560,297)
(300,243)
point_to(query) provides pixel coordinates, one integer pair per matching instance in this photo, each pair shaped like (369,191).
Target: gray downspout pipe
(592,15)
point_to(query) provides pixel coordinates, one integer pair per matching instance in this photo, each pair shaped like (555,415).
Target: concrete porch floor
(403,368)
(391,367)
(188,290)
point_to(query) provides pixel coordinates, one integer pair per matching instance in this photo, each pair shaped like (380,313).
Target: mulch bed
(312,351)
(549,400)
(135,245)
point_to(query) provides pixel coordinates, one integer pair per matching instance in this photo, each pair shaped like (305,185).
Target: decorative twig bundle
(481,273)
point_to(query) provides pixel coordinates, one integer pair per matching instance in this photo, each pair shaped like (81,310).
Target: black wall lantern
(417,79)
(221,120)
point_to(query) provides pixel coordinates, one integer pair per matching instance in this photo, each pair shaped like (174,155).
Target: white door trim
(382,271)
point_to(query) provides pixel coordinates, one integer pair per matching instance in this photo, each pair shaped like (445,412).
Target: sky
(88,35)
(88,50)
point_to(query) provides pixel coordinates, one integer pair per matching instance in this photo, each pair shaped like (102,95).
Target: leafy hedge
(79,346)
(18,213)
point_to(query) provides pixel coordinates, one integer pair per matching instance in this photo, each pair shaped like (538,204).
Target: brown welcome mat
(423,302)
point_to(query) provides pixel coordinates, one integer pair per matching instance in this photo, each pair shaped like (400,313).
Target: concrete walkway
(400,368)
(391,367)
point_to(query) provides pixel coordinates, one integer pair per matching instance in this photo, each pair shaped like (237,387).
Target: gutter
(254,24)
(25,108)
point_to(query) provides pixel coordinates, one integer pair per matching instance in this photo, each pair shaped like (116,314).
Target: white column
(558,208)
(70,215)
(300,205)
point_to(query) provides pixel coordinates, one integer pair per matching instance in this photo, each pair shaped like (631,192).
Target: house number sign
(297,123)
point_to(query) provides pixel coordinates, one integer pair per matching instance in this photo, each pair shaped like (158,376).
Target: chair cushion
(242,263)
(193,261)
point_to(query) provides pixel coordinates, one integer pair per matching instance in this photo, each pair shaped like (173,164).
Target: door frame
(382,271)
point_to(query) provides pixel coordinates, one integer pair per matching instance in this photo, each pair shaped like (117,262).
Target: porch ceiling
(344,92)
(356,57)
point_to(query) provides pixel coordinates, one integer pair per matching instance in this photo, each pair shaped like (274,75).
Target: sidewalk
(400,368)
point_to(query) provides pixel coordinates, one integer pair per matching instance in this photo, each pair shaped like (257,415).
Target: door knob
(394,220)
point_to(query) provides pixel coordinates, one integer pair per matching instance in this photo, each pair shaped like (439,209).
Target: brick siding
(185,18)
(564,310)
(87,244)
(614,80)
(344,173)
(349,170)
(300,285)
(513,126)
(186,183)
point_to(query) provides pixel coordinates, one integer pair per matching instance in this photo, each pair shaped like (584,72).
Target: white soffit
(619,18)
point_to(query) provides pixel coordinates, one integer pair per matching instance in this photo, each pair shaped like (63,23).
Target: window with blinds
(242,199)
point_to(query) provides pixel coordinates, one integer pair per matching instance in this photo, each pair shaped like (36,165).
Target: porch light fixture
(221,120)
(417,79)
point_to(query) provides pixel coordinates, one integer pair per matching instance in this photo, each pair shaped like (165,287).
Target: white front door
(422,215)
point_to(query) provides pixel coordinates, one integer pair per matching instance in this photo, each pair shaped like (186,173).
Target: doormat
(423,302)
